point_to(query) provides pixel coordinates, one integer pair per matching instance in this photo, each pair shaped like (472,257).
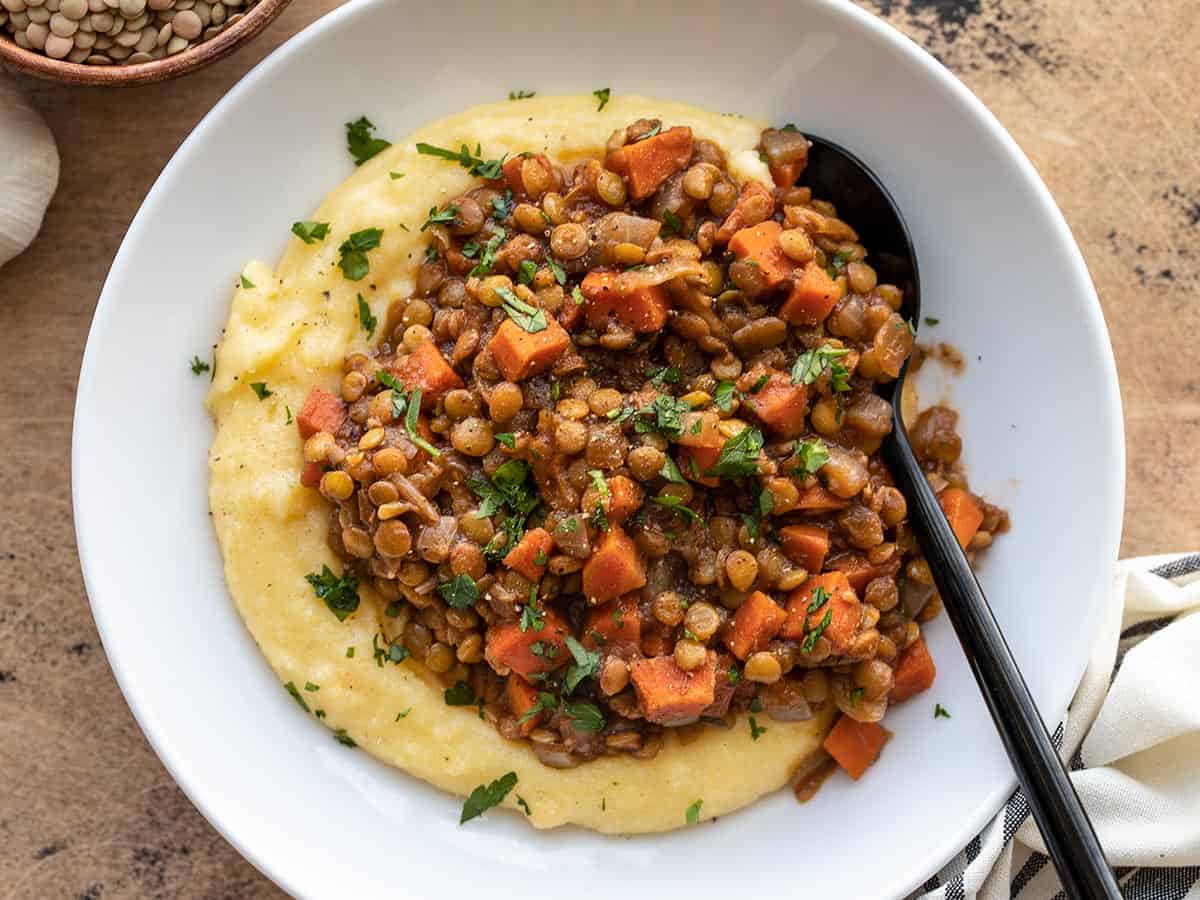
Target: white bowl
(1041,420)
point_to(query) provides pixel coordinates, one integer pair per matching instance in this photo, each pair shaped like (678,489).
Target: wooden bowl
(41,66)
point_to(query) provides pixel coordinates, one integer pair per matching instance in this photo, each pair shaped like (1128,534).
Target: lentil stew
(612,467)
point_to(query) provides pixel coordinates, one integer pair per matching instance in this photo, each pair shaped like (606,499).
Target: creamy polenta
(290,327)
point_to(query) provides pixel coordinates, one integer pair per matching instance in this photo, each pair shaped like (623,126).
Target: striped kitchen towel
(1132,735)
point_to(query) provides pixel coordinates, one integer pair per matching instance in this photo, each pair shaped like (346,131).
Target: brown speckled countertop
(1101,95)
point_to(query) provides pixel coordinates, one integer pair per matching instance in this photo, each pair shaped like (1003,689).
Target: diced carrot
(736,220)
(855,745)
(310,475)
(322,411)
(427,369)
(915,671)
(814,295)
(521,696)
(785,174)
(842,605)
(531,554)
(520,354)
(963,512)
(647,163)
(642,309)
(668,694)
(860,571)
(755,623)
(508,647)
(614,568)
(805,545)
(693,462)
(699,429)
(615,627)
(512,169)
(780,404)
(818,499)
(760,245)
(624,499)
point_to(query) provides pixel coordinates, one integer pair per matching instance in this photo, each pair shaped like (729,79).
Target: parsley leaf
(521,800)
(545,703)
(940,712)
(811,363)
(529,318)
(198,365)
(487,259)
(341,594)
(484,798)
(526,271)
(395,176)
(460,592)
(353,253)
(502,207)
(810,455)
(692,816)
(670,471)
(755,730)
(408,408)
(584,716)
(365,318)
(508,439)
(664,415)
(403,714)
(445,216)
(930,320)
(532,617)
(810,639)
(672,222)
(723,396)
(291,689)
(664,374)
(246,282)
(472,162)
(520,95)
(739,456)
(560,274)
(344,739)
(459,695)
(820,597)
(674,503)
(857,693)
(360,142)
(602,96)
(260,390)
(654,129)
(310,232)
(586,665)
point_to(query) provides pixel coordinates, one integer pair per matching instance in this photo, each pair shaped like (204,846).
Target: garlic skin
(28,170)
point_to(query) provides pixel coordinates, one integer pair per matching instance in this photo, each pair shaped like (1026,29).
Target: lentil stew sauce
(613,466)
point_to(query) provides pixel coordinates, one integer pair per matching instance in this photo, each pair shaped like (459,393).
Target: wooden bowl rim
(202,54)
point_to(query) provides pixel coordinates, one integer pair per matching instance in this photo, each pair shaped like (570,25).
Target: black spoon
(834,173)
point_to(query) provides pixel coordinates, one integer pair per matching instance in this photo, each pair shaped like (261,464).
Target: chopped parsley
(349,653)
(407,408)
(198,365)
(445,216)
(811,363)
(260,390)
(810,455)
(654,129)
(459,695)
(810,639)
(545,703)
(670,374)
(460,592)
(940,712)
(676,504)
(584,716)
(508,439)
(856,694)
(670,471)
(542,650)
(502,207)
(528,318)
(484,797)
(723,396)
(344,739)
(568,525)
(511,485)
(291,689)
(586,664)
(577,295)
(520,95)
(692,816)
(403,714)
(759,384)
(310,232)
(763,502)
(664,415)
(310,687)
(395,176)
(287,409)
(246,282)
(739,456)
(560,274)
(532,617)
(361,142)
(820,597)
(526,271)
(339,593)
(838,263)
(394,651)
(353,253)
(672,222)
(602,96)
(521,800)
(365,318)
(487,259)
(755,730)
(733,675)
(930,320)
(472,162)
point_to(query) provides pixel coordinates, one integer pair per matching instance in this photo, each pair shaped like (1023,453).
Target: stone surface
(1103,98)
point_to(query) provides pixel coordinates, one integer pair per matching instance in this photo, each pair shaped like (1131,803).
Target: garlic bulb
(29,173)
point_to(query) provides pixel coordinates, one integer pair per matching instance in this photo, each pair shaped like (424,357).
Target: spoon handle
(1077,854)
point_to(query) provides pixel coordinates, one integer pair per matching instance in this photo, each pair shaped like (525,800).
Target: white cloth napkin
(1132,735)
